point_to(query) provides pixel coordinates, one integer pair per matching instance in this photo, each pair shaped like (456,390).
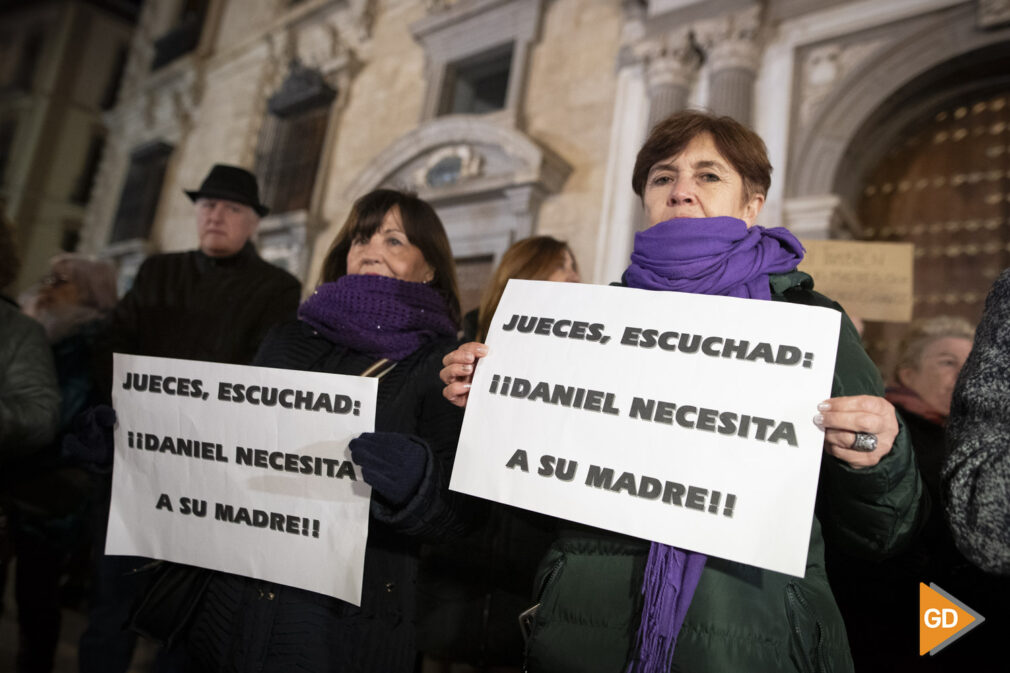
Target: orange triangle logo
(942,619)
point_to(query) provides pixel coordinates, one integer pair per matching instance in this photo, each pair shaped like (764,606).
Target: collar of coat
(205,262)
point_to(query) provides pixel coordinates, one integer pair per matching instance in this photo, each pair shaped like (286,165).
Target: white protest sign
(679,418)
(242,469)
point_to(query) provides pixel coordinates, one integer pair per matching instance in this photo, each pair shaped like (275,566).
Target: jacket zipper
(799,603)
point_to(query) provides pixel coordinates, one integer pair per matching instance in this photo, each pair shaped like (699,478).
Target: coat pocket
(532,618)
(807,647)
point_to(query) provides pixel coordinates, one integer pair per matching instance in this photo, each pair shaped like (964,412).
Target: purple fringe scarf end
(671,576)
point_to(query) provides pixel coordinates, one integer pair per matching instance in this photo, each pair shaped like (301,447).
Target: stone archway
(877,131)
(867,109)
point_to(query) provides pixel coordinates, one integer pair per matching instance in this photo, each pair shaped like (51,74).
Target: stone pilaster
(671,65)
(733,55)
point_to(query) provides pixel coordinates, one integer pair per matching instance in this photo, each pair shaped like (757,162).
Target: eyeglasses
(54,280)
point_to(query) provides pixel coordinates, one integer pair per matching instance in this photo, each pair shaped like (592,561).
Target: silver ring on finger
(865,441)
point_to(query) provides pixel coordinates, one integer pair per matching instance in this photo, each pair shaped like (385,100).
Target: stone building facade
(60,66)
(516,117)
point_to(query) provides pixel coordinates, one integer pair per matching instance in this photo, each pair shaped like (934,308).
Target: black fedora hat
(230,183)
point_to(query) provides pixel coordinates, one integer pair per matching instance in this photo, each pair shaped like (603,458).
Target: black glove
(90,442)
(391,463)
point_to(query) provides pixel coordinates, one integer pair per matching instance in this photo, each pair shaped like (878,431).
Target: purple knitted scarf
(378,316)
(711,255)
(718,256)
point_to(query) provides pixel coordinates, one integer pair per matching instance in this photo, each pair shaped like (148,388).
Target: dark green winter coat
(29,395)
(742,618)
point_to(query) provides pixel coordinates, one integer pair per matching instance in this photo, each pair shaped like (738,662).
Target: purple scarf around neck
(378,316)
(711,255)
(718,256)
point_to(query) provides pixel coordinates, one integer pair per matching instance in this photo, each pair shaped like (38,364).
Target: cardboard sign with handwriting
(871,280)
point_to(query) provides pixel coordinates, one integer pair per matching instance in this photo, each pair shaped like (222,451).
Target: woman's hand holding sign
(850,423)
(457,373)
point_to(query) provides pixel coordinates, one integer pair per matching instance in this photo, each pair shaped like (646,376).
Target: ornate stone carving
(171,97)
(280,52)
(317,43)
(519,160)
(993,13)
(141,52)
(362,19)
(448,166)
(633,27)
(327,43)
(730,40)
(824,67)
(672,61)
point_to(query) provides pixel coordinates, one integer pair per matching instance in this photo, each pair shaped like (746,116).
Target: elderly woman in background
(470,590)
(930,357)
(609,602)
(387,306)
(72,301)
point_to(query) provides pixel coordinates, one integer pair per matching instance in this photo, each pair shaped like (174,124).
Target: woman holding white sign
(607,602)
(387,307)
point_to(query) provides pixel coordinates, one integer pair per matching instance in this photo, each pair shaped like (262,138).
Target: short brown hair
(743,148)
(925,331)
(422,226)
(533,258)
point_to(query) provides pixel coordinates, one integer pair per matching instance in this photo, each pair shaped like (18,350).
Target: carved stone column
(733,54)
(820,217)
(671,65)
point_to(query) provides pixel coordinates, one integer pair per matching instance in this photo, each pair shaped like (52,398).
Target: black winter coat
(250,625)
(192,306)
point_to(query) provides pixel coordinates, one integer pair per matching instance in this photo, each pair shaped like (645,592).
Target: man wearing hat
(215,304)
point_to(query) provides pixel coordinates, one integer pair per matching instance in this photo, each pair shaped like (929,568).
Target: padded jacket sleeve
(871,512)
(434,512)
(29,394)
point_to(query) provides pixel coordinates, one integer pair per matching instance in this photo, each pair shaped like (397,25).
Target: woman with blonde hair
(533,258)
